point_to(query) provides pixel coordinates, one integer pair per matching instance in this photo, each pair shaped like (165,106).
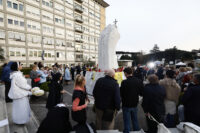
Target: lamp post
(42,55)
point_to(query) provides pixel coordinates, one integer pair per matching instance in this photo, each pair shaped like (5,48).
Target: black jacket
(107,93)
(160,73)
(56,121)
(139,73)
(79,116)
(190,101)
(153,99)
(130,90)
(78,69)
(55,89)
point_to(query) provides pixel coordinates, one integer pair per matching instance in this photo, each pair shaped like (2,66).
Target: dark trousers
(170,121)
(84,72)
(7,89)
(152,125)
(72,75)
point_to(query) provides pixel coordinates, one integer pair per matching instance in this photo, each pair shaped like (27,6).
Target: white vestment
(21,111)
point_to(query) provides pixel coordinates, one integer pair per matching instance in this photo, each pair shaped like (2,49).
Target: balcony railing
(79,19)
(80,1)
(78,40)
(78,8)
(78,29)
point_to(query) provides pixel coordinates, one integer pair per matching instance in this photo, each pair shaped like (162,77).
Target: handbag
(37,79)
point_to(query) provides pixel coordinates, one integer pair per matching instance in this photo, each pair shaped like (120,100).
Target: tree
(155,52)
(155,49)
(2,54)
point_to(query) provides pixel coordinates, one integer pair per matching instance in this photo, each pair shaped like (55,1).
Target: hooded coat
(55,89)
(19,86)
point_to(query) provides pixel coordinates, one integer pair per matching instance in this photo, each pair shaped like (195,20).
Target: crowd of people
(170,95)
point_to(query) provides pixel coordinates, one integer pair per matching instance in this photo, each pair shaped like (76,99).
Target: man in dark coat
(56,121)
(78,69)
(5,77)
(160,72)
(107,100)
(191,100)
(72,71)
(138,73)
(130,90)
(84,70)
(153,102)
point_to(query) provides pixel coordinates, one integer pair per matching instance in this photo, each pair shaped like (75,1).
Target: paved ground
(38,107)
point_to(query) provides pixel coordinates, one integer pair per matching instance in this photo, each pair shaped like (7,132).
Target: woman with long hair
(80,100)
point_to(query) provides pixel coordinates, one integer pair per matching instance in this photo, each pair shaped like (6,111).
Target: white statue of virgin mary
(107,58)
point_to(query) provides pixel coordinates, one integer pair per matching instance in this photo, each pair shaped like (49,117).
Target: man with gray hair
(191,100)
(107,100)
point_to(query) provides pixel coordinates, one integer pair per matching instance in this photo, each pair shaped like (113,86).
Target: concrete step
(4,127)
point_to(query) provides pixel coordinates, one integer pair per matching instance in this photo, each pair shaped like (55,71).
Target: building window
(16,22)
(18,54)
(34,27)
(21,7)
(56,19)
(1,3)
(10,21)
(21,24)
(31,54)
(48,4)
(15,6)
(9,4)
(58,55)
(1,19)
(12,53)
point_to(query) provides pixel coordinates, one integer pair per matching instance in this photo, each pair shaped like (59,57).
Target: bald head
(110,72)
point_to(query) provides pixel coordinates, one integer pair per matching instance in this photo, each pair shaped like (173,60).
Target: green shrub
(26,70)
(45,86)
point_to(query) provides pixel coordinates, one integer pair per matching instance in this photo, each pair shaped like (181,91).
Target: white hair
(110,72)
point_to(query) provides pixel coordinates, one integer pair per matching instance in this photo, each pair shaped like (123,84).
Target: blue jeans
(128,115)
(170,121)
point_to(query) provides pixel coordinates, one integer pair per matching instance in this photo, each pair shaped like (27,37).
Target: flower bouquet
(36,91)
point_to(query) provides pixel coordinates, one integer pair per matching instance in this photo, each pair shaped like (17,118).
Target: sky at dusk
(167,23)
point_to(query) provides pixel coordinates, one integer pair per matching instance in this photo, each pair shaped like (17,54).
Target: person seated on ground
(172,96)
(56,121)
(191,100)
(153,102)
(55,91)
